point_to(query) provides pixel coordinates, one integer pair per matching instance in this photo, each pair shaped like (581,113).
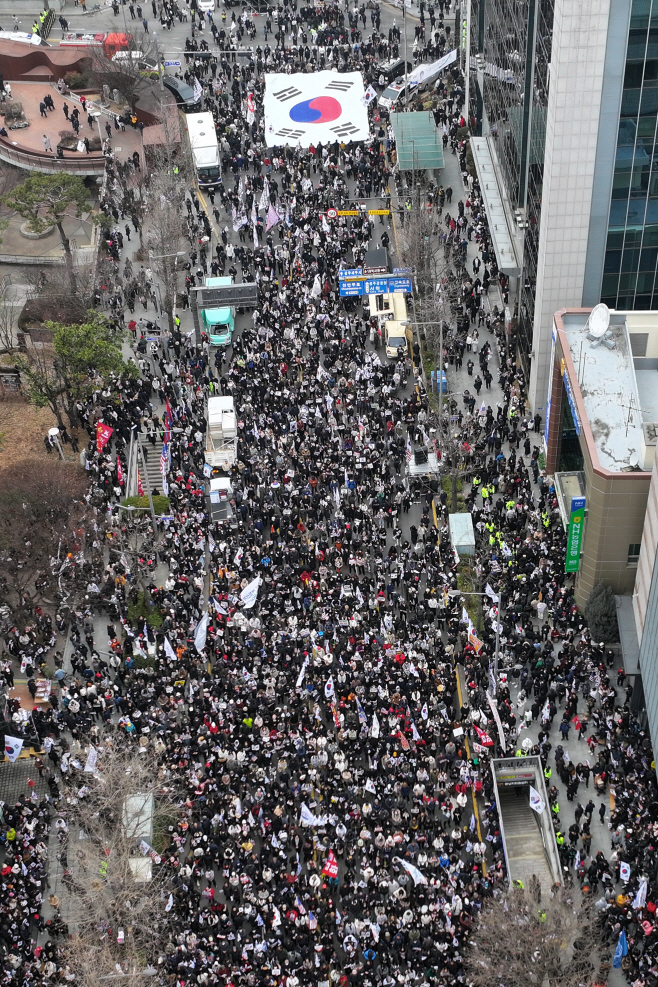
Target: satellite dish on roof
(634,460)
(598,322)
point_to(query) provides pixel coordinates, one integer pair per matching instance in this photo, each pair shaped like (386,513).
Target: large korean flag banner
(321,108)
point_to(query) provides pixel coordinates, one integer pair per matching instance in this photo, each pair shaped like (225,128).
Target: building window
(633,554)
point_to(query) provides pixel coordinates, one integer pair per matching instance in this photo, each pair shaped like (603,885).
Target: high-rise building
(564,108)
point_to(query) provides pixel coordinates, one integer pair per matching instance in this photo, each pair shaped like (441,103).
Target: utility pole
(498,625)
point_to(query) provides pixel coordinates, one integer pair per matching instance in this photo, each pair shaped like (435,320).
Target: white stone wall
(647,555)
(578,54)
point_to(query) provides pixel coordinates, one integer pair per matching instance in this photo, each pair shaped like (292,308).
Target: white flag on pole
(201,632)
(249,594)
(640,898)
(169,651)
(413,871)
(308,819)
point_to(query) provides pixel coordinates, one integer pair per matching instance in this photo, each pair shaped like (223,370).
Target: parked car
(183,93)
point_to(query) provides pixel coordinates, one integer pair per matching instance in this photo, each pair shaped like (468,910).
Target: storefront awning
(504,247)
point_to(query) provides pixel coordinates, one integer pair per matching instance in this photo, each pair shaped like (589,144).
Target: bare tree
(131,74)
(519,941)
(437,306)
(42,516)
(7,315)
(122,802)
(164,197)
(49,291)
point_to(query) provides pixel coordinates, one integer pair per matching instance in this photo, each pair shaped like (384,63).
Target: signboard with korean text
(575,534)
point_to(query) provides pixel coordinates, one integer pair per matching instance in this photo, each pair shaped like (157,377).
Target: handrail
(91,164)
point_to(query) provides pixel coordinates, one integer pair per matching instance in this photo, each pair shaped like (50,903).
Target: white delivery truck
(205,148)
(221,433)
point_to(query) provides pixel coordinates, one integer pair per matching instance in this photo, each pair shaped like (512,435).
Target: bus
(205,148)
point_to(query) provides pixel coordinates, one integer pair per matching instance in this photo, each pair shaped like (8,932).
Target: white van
(396,93)
(135,58)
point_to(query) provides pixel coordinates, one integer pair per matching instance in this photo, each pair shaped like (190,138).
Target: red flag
(103,433)
(330,868)
(119,472)
(483,736)
(167,422)
(576,722)
(140,488)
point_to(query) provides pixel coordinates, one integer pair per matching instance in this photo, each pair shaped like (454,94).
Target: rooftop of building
(617,375)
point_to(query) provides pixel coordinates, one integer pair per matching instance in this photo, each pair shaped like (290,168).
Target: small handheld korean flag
(13,747)
(329,688)
(624,872)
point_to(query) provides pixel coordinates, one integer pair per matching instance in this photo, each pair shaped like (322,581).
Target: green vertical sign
(575,534)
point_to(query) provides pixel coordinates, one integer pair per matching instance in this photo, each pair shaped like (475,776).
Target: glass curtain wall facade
(515,39)
(630,278)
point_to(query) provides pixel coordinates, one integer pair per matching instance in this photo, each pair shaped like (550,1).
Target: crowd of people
(300,677)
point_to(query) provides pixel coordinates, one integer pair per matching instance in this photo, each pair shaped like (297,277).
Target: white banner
(319,108)
(422,72)
(92,760)
(496,716)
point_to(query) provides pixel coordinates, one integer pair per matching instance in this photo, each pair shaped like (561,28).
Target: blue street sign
(399,284)
(373,286)
(349,289)
(171,64)
(349,272)
(376,286)
(402,270)
(380,286)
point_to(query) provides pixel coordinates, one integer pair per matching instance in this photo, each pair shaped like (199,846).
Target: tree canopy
(83,358)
